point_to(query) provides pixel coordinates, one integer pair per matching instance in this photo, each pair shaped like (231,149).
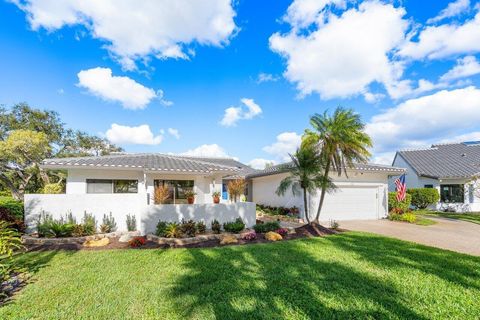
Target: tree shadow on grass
(393,253)
(281,281)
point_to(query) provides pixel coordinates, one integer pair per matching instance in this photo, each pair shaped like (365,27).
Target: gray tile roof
(454,160)
(153,162)
(368,167)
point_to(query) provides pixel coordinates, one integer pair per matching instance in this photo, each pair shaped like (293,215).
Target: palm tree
(342,142)
(305,174)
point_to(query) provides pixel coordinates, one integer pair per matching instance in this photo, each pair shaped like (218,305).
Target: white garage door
(351,203)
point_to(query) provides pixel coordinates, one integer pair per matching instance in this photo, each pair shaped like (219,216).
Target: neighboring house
(362,194)
(451,168)
(125,184)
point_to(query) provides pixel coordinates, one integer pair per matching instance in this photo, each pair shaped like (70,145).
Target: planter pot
(191,200)
(216,199)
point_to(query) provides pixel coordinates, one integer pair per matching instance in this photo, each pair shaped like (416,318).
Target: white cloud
(174,132)
(287,142)
(260,164)
(373,97)
(435,42)
(465,67)
(470,136)
(343,55)
(266,77)
(425,120)
(101,83)
(207,150)
(135,30)
(132,135)
(302,13)
(453,9)
(233,114)
(163,101)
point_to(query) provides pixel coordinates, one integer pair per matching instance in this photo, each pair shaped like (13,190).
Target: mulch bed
(301,232)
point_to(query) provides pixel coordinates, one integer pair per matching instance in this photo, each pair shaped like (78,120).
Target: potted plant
(216,197)
(190,196)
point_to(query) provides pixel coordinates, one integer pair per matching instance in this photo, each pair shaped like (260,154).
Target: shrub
(423,197)
(173,230)
(282,231)
(9,241)
(51,228)
(70,218)
(162,194)
(131,222)
(52,188)
(78,230)
(161,229)
(236,188)
(201,227)
(136,242)
(234,227)
(188,228)
(393,216)
(13,206)
(250,236)
(108,224)
(266,227)
(14,222)
(394,203)
(5,193)
(409,217)
(89,224)
(216,226)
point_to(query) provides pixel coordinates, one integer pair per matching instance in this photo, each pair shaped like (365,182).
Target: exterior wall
(77,178)
(264,191)
(411,178)
(147,216)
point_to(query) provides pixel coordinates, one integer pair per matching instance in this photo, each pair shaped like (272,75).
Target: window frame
(177,189)
(450,196)
(111,182)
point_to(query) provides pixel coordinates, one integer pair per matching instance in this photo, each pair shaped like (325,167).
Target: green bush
(161,229)
(234,227)
(201,227)
(9,242)
(5,193)
(409,217)
(393,203)
(108,224)
(266,227)
(188,228)
(216,226)
(52,188)
(51,228)
(423,197)
(173,230)
(89,224)
(13,206)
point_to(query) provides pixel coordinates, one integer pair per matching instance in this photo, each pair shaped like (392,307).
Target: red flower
(137,242)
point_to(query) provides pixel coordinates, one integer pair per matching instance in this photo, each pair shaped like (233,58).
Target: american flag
(401,188)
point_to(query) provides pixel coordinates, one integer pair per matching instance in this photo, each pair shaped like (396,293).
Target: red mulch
(300,232)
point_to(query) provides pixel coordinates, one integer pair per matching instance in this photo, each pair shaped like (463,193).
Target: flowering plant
(250,236)
(282,231)
(136,242)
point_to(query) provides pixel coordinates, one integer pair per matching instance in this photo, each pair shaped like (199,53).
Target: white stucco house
(124,184)
(451,168)
(362,194)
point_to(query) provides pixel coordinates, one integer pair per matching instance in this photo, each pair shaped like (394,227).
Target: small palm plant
(305,174)
(342,142)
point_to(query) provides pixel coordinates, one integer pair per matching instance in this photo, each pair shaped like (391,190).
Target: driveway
(450,234)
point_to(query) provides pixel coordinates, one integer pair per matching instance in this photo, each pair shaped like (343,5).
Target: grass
(422,221)
(345,276)
(470,217)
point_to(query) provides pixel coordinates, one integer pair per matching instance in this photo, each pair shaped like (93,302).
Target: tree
(342,142)
(236,188)
(20,154)
(305,174)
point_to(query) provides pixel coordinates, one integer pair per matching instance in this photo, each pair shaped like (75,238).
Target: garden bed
(35,240)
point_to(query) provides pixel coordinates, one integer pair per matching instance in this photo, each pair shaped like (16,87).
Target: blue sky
(241,79)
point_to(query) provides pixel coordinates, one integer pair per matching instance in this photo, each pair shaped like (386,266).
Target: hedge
(423,197)
(393,203)
(13,206)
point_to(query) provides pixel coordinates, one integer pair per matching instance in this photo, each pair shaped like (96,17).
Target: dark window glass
(125,186)
(177,189)
(99,186)
(450,193)
(430,186)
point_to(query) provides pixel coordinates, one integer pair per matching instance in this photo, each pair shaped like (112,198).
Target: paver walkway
(450,234)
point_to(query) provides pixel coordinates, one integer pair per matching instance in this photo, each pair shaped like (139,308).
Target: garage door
(349,203)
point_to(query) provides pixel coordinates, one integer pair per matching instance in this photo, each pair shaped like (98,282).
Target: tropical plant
(131,222)
(216,226)
(236,188)
(305,174)
(14,222)
(423,197)
(108,224)
(235,226)
(161,228)
(51,228)
(342,142)
(201,227)
(216,194)
(136,242)
(188,228)
(13,206)
(173,230)
(162,194)
(9,242)
(89,223)
(266,227)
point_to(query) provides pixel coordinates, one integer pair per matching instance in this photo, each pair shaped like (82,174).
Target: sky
(241,78)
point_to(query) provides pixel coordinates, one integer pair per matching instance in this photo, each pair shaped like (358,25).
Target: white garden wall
(147,215)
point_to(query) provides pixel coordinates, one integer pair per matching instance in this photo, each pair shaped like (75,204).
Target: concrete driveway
(450,234)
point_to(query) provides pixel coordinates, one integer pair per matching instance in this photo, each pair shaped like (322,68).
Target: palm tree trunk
(305,205)
(324,191)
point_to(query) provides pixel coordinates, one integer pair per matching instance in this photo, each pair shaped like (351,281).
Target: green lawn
(351,275)
(471,216)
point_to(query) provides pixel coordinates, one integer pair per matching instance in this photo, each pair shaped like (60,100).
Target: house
(361,194)
(451,168)
(124,184)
